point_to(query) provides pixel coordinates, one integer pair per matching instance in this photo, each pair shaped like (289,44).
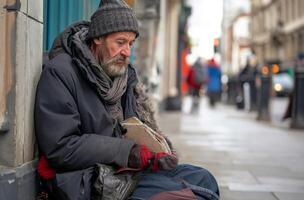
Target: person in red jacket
(196,80)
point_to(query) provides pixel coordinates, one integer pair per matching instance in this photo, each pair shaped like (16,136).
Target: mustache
(118,58)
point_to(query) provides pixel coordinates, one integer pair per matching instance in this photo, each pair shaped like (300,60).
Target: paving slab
(250,159)
(288,196)
(241,195)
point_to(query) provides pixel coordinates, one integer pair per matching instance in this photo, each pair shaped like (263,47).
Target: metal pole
(264,94)
(297,119)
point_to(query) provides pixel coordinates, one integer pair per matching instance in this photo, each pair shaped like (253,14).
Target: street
(251,160)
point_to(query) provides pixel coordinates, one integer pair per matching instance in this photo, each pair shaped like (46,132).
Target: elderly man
(85,90)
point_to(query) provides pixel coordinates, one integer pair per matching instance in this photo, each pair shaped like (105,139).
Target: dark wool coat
(73,128)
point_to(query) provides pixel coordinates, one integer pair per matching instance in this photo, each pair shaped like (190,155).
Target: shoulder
(59,69)
(61,62)
(61,65)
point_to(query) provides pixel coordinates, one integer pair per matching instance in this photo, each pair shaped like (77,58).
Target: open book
(144,135)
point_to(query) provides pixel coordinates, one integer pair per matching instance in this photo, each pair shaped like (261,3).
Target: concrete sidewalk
(251,160)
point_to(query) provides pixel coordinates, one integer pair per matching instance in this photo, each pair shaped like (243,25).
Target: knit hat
(112,16)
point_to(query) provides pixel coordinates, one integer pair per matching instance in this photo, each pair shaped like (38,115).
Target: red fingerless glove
(140,157)
(145,156)
(44,170)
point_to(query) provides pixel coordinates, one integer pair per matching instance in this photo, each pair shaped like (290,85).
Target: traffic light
(275,68)
(216,45)
(265,70)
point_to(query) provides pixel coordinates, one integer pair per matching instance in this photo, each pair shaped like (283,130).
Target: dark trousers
(199,181)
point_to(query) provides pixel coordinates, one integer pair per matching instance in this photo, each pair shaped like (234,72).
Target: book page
(144,135)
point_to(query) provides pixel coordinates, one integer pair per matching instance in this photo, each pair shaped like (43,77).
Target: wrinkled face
(113,52)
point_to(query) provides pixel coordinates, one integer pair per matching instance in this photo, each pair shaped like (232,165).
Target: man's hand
(164,161)
(140,157)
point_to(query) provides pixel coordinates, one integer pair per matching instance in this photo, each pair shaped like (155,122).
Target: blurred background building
(235,38)
(159,49)
(277,30)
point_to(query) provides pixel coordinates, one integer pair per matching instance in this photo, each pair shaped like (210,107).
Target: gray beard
(113,70)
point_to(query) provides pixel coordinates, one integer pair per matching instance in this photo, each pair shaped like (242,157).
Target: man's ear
(97,40)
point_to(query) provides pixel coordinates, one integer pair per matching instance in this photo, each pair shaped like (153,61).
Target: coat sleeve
(57,123)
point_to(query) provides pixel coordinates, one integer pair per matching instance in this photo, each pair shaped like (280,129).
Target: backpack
(199,73)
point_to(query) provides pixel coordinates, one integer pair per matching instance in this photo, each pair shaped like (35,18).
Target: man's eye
(120,42)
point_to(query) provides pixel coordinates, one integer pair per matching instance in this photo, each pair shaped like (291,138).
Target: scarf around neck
(110,91)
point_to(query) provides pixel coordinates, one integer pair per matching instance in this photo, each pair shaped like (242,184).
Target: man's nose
(126,52)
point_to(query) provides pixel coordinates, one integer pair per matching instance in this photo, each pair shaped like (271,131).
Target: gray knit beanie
(112,16)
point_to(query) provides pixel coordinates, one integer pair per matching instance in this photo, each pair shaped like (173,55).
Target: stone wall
(21,25)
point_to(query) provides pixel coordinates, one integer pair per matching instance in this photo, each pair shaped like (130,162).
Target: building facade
(156,51)
(277,30)
(236,36)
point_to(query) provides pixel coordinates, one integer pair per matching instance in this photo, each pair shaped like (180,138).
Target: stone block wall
(21,24)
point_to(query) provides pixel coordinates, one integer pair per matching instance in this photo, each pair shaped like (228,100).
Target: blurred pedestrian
(87,87)
(247,78)
(214,82)
(196,79)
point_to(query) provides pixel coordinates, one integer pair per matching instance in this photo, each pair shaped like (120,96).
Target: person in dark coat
(87,87)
